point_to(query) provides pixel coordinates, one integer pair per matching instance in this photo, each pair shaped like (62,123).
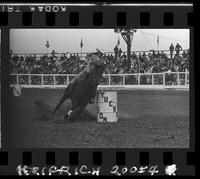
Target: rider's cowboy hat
(100,50)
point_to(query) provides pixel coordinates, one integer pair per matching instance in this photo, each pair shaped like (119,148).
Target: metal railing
(166,79)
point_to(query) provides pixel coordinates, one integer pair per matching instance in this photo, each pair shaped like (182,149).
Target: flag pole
(81,45)
(158,42)
(47,45)
(81,53)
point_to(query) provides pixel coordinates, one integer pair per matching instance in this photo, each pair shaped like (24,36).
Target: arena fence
(128,81)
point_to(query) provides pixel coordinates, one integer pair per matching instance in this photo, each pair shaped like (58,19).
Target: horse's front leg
(93,95)
(75,112)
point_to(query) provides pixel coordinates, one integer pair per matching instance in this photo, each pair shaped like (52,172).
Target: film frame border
(142,19)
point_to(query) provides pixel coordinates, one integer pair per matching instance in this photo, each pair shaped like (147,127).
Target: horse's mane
(93,76)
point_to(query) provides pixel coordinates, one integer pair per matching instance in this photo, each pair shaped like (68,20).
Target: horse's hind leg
(62,100)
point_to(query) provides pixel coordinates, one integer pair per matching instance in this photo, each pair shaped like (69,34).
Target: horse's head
(99,70)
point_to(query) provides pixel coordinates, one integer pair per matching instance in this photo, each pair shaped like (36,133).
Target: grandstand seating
(55,69)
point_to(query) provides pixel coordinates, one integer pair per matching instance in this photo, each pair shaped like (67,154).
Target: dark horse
(83,92)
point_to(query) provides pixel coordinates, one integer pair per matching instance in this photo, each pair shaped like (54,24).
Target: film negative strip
(128,71)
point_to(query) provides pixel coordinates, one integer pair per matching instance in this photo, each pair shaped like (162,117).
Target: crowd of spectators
(46,64)
(174,60)
(145,62)
(151,62)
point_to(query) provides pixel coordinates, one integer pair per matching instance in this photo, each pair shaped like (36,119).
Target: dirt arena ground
(147,119)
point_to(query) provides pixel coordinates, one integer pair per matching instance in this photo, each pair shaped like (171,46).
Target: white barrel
(107,106)
(17,90)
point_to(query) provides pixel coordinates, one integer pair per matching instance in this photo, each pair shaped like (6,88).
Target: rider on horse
(92,59)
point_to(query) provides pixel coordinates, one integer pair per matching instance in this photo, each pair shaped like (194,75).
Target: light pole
(127,35)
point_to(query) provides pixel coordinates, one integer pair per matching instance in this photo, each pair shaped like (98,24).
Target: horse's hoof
(66,117)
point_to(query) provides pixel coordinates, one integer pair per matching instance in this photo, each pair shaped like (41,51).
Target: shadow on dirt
(44,112)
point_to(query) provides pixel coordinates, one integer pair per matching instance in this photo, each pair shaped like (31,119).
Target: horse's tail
(65,96)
